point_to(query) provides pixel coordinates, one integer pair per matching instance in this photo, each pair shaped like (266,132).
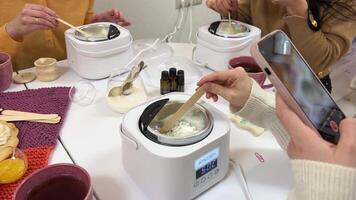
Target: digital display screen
(207,168)
(206,163)
(302,84)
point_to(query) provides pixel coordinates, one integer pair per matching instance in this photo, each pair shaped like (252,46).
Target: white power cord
(190,22)
(241,177)
(177,26)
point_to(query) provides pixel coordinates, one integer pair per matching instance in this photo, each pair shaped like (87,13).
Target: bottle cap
(180,79)
(164,75)
(172,72)
(180,72)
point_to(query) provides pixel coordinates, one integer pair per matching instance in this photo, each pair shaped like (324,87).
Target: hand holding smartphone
(298,85)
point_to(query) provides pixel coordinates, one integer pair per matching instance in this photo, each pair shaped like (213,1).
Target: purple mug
(58,181)
(251,67)
(5,71)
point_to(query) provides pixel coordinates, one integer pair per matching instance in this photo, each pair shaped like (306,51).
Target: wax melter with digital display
(175,166)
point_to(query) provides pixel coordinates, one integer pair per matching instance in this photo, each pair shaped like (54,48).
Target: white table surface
(91,136)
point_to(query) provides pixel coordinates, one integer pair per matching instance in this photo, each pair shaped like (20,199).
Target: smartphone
(298,85)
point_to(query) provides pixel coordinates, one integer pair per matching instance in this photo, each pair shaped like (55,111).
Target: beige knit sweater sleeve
(312,180)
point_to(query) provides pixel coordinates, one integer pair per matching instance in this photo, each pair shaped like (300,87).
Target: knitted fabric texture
(37,140)
(37,159)
(44,100)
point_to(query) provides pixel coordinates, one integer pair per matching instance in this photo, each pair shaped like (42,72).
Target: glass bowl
(131,98)
(14,166)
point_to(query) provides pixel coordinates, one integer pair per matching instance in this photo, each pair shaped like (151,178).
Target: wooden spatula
(72,26)
(173,119)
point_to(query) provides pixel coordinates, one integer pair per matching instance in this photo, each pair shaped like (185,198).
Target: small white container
(46,69)
(97,57)
(214,50)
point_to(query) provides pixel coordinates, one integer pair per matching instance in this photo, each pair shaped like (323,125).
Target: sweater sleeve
(244,12)
(7,44)
(260,109)
(90,12)
(322,48)
(317,180)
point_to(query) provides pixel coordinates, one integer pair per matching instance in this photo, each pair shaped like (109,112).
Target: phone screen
(303,85)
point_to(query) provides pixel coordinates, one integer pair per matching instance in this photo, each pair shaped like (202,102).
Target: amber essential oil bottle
(173,79)
(165,83)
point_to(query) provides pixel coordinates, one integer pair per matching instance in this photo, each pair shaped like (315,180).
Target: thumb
(217,89)
(348,132)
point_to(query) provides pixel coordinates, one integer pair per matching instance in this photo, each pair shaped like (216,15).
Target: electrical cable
(178,25)
(190,22)
(241,177)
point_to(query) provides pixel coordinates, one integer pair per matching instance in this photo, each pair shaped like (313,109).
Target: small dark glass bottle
(165,85)
(180,81)
(173,79)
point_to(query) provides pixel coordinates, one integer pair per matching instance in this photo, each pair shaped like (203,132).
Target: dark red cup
(5,71)
(52,173)
(251,67)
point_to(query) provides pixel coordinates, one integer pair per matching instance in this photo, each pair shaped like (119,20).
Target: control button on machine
(196,184)
(210,175)
(203,180)
(216,171)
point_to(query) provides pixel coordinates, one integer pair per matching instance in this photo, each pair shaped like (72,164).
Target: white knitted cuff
(322,181)
(260,109)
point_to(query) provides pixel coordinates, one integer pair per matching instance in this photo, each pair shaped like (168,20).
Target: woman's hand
(294,7)
(233,85)
(32,18)
(223,7)
(112,15)
(306,144)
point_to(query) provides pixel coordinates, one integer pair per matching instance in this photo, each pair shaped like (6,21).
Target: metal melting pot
(194,126)
(226,29)
(98,32)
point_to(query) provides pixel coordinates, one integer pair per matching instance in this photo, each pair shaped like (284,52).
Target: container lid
(98,32)
(193,127)
(229,29)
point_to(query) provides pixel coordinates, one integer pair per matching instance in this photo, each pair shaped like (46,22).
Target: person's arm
(260,109)
(31,18)
(247,97)
(244,11)
(314,180)
(8,44)
(321,170)
(322,48)
(90,12)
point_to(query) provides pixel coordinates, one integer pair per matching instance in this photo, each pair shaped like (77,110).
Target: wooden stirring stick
(70,25)
(169,124)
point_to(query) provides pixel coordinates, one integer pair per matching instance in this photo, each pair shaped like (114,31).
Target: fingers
(215,89)
(348,133)
(298,131)
(42,9)
(41,18)
(217,76)
(220,6)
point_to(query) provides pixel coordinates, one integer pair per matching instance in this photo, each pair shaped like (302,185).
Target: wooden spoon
(171,121)
(77,29)
(119,90)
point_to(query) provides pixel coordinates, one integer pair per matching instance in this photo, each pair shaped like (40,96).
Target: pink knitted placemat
(37,140)
(44,100)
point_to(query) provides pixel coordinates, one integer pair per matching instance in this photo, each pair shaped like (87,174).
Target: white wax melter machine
(223,40)
(176,165)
